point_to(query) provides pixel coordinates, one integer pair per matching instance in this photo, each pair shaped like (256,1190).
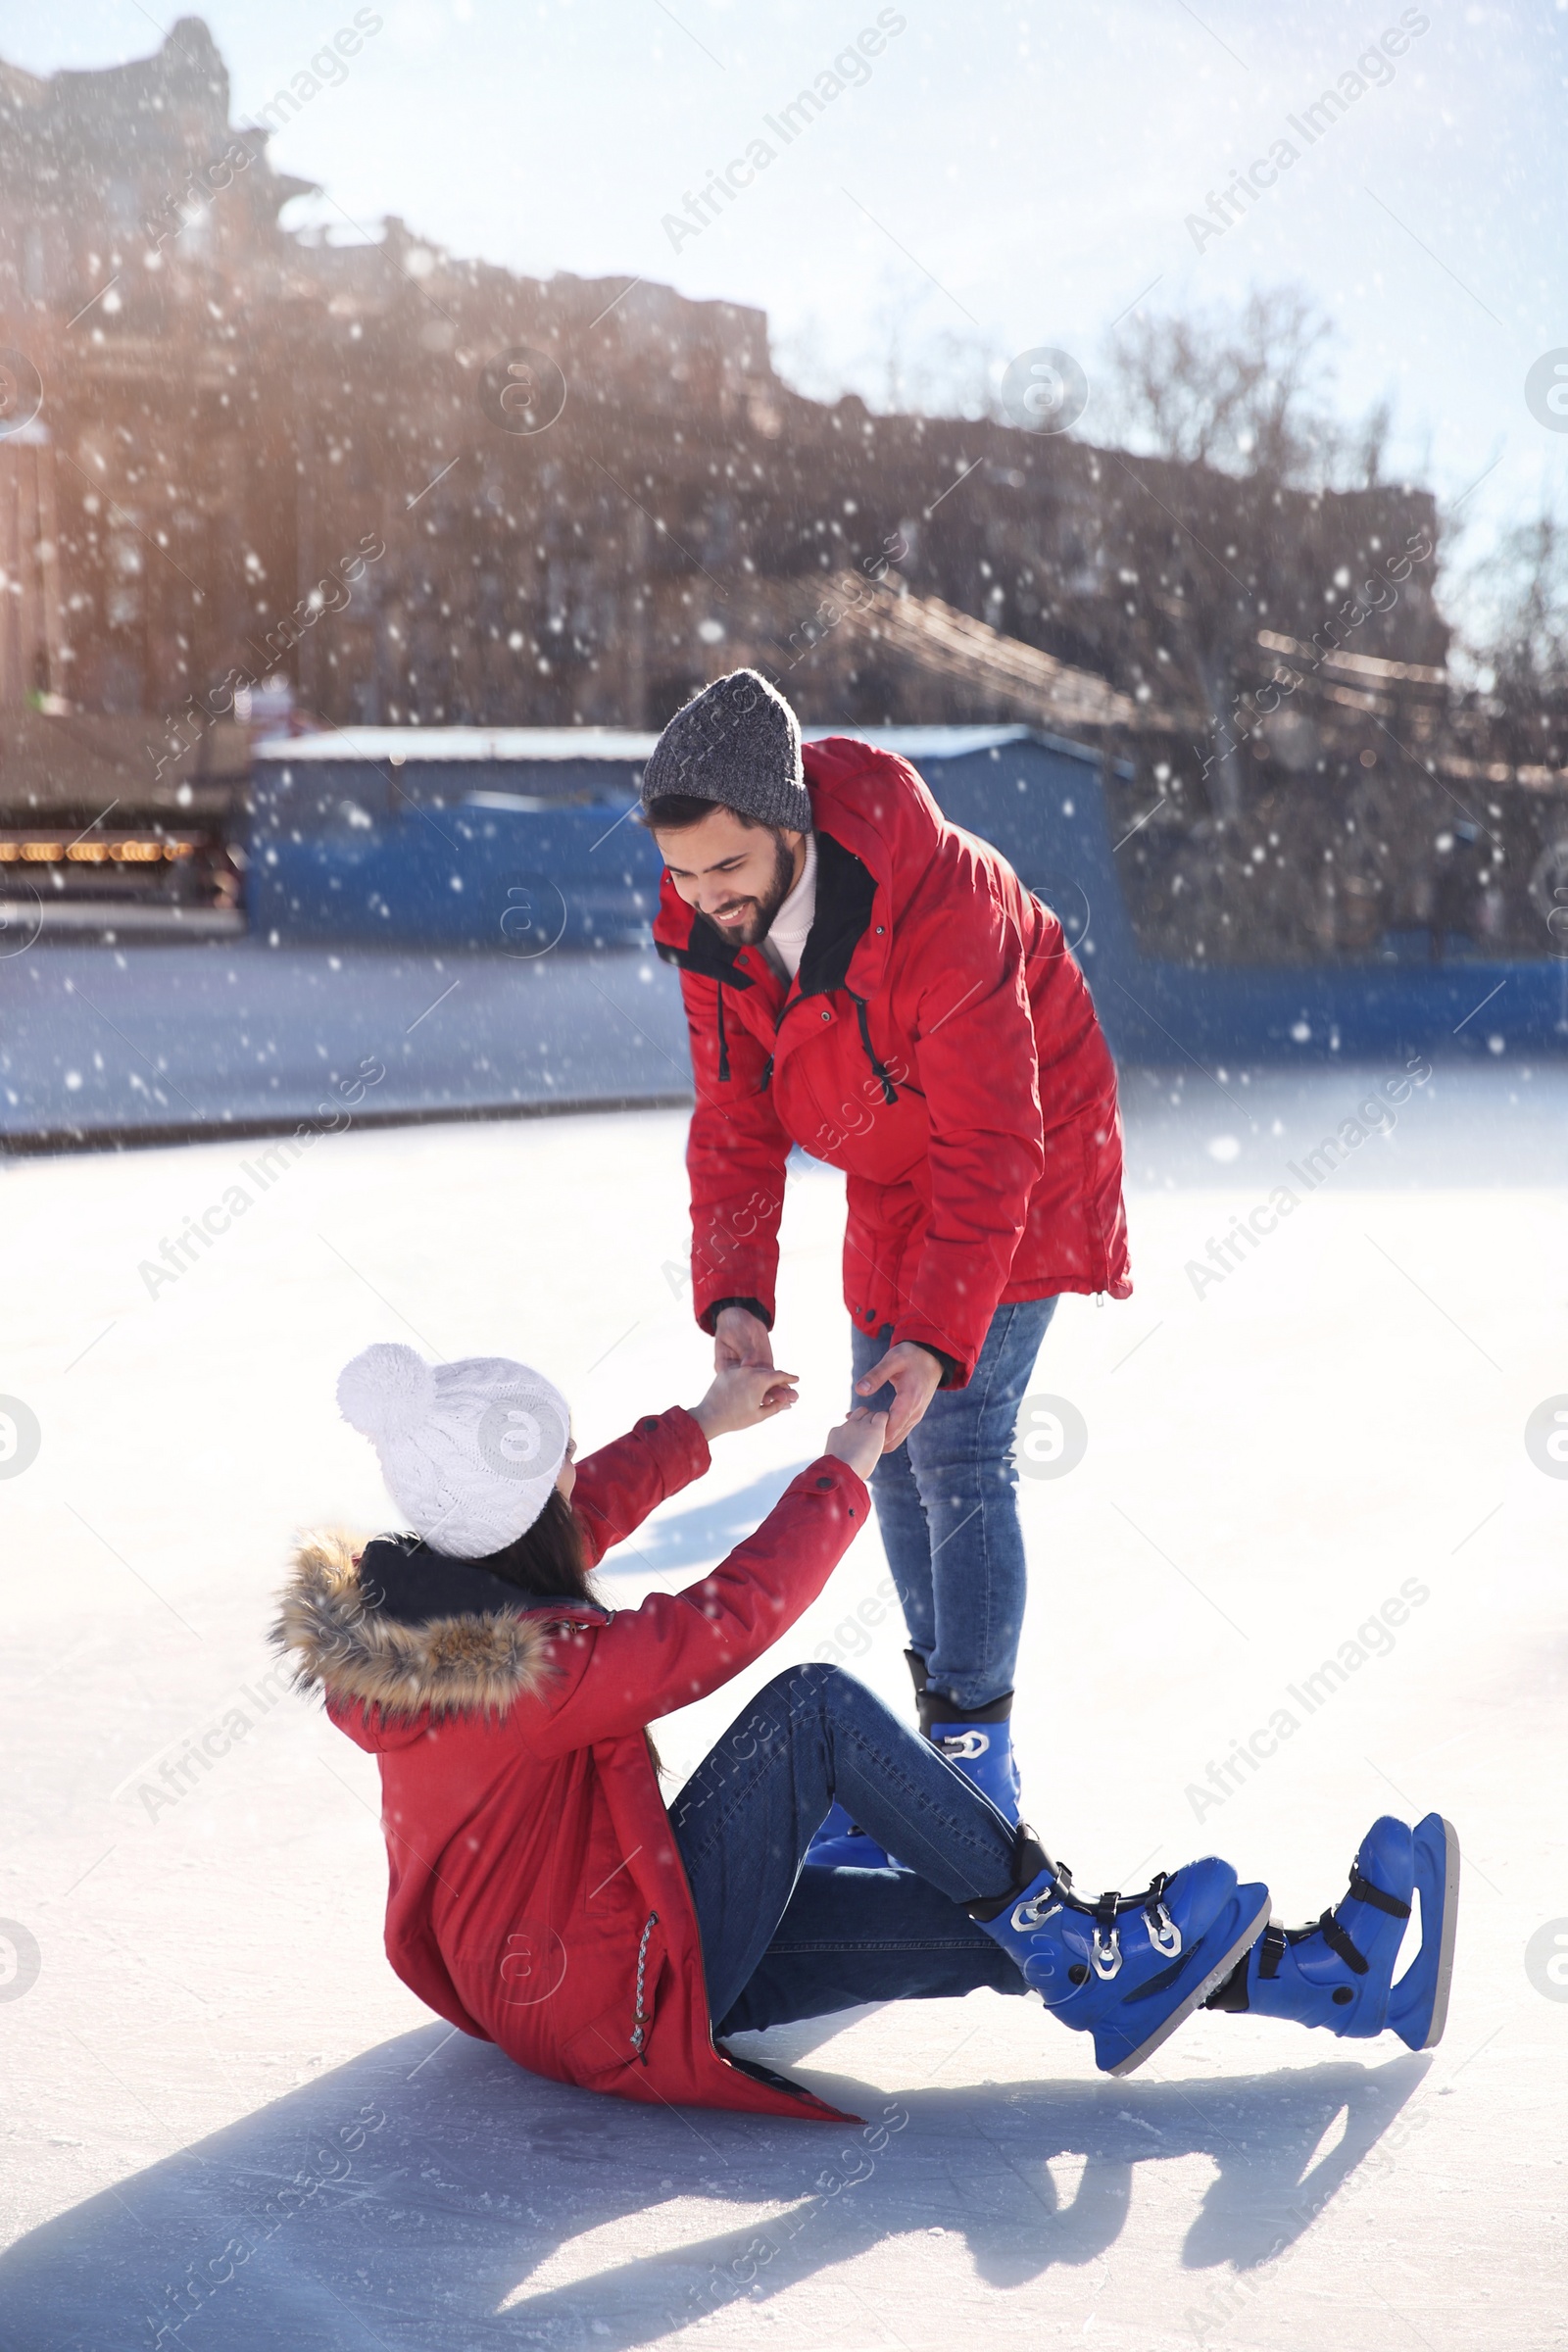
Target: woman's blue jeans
(781,1942)
(947,1505)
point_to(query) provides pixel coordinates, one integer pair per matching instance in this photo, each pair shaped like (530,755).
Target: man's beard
(760,922)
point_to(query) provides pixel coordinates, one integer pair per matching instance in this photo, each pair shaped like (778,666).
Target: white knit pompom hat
(470,1451)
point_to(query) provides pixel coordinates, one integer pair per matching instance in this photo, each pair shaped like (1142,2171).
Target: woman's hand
(858,1440)
(742,1394)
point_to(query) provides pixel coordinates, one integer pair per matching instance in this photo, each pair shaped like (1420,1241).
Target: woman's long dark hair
(547,1562)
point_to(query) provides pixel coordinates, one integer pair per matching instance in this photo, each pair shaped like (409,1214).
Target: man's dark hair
(678,812)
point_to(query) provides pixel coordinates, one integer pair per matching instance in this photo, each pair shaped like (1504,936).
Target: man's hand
(914,1376)
(858,1440)
(742,1395)
(740,1338)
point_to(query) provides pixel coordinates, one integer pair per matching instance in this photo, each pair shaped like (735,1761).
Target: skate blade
(1418,2007)
(1242,1942)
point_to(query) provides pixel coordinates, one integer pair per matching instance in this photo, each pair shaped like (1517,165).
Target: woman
(541,1897)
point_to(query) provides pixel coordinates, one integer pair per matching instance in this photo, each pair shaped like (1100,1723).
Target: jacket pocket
(617,2038)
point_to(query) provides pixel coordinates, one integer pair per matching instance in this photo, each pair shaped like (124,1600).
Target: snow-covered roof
(459,743)
(926,743)
(620,744)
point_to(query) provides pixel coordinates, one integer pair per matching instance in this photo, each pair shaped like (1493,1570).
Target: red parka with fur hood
(938,1044)
(536,1894)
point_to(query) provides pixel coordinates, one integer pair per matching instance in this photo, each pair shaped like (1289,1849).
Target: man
(864,979)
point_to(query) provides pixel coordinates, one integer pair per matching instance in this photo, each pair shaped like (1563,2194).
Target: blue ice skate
(1130,1968)
(842,1844)
(983,1753)
(981,1750)
(1338,1971)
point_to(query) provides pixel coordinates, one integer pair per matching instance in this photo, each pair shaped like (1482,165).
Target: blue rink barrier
(101,1045)
(523,840)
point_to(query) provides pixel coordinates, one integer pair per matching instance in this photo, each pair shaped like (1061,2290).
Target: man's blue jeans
(947,1505)
(780,1942)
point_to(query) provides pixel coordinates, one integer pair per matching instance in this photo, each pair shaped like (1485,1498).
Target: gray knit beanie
(738,744)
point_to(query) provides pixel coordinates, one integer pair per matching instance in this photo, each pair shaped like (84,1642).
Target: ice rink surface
(226,2125)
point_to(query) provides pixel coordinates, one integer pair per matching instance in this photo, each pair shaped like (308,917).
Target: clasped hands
(748,1388)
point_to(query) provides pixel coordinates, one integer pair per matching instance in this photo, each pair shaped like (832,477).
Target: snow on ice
(229,2127)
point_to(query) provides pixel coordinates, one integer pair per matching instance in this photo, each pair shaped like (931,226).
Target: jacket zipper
(890,1092)
(639,2028)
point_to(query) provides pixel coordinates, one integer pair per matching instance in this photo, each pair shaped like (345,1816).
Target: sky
(998,176)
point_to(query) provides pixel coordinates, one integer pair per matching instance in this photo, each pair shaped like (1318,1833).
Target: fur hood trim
(342,1645)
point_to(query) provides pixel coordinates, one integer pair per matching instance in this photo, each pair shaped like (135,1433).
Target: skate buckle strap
(1271,1947)
(1163,1932)
(1340,1943)
(1105,1954)
(966,1745)
(1104,1951)
(1362,1891)
(1053,1897)
(1026,1917)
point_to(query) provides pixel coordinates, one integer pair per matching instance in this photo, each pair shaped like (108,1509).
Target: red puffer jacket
(537,1897)
(938,1044)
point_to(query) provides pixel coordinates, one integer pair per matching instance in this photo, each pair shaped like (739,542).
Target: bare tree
(1369,445)
(937,373)
(958,375)
(1521,630)
(1248,392)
